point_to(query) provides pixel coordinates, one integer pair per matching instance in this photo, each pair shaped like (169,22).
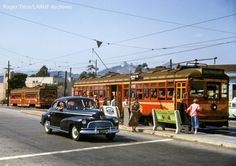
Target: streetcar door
(180,93)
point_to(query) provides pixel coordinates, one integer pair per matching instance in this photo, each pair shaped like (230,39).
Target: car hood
(89,113)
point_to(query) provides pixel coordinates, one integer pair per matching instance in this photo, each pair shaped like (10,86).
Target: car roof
(72,97)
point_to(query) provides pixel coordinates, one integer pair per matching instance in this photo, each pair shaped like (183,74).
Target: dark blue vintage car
(78,116)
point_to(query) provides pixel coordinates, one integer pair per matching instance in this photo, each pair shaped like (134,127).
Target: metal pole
(171,63)
(70,72)
(8,86)
(130,90)
(96,67)
(65,83)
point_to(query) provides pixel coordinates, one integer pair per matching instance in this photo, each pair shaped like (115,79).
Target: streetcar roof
(160,73)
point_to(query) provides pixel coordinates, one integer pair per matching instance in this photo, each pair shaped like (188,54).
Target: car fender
(67,123)
(45,116)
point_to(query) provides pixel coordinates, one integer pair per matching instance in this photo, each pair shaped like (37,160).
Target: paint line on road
(80,150)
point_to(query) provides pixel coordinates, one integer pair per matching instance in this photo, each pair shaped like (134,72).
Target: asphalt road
(23,142)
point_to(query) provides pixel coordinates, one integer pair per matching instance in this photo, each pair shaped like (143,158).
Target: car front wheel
(75,133)
(47,128)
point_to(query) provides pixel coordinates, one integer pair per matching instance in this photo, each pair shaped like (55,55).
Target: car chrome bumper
(111,130)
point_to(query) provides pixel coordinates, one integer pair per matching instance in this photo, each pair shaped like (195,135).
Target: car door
(57,115)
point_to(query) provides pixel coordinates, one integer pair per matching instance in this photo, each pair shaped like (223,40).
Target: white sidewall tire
(75,133)
(47,127)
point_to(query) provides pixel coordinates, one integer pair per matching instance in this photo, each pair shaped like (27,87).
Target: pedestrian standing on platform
(97,101)
(126,105)
(134,118)
(113,101)
(183,115)
(105,103)
(193,111)
(125,114)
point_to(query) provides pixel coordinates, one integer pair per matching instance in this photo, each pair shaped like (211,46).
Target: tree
(43,72)
(17,80)
(141,67)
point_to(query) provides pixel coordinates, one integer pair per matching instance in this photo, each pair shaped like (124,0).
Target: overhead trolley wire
(171,47)
(115,43)
(142,17)
(177,52)
(161,55)
(176,28)
(121,41)
(47,26)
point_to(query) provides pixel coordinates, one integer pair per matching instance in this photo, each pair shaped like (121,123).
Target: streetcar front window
(197,89)
(213,90)
(224,90)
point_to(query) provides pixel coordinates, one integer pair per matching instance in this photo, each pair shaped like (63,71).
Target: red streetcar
(164,88)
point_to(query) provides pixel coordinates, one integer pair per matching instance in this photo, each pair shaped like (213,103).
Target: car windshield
(81,104)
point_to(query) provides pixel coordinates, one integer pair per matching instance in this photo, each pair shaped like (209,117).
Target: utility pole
(8,86)
(70,72)
(65,83)
(96,67)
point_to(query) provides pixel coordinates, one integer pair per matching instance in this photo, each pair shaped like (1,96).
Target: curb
(199,138)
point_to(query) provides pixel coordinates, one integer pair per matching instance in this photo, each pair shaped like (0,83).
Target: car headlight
(84,121)
(116,120)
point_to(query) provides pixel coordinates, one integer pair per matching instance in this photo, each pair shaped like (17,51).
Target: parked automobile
(78,116)
(232,109)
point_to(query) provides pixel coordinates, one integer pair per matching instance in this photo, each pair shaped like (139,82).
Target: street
(24,142)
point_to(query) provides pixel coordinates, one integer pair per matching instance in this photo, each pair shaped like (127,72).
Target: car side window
(75,105)
(89,104)
(55,105)
(61,106)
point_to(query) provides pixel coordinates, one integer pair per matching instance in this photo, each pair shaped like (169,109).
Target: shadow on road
(97,138)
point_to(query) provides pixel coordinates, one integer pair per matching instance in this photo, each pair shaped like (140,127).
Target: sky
(63,34)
